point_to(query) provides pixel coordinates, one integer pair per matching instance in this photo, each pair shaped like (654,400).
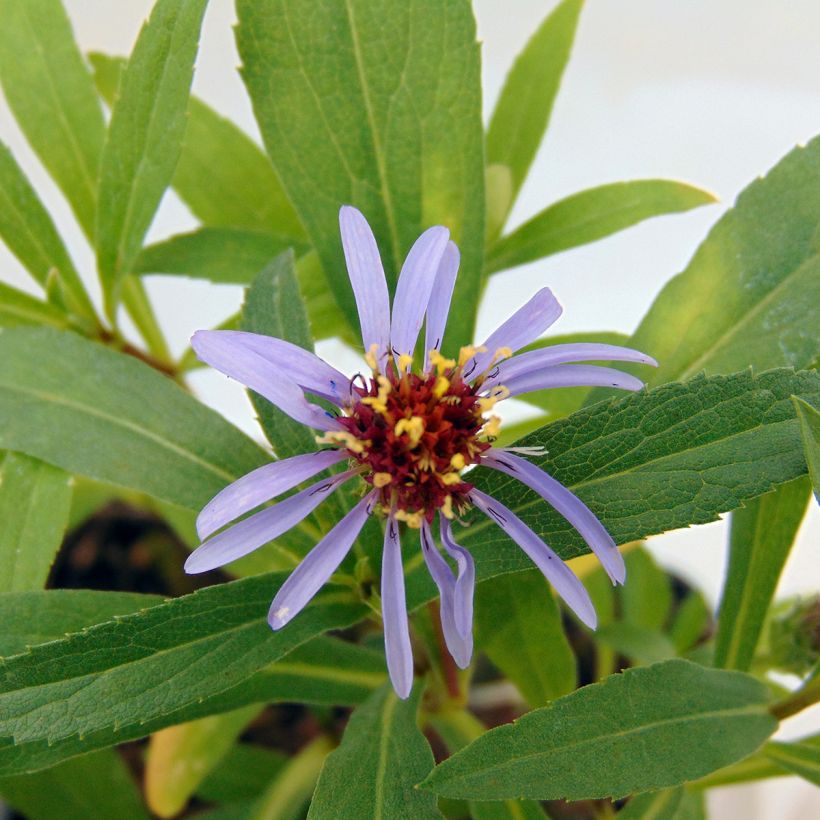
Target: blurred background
(712,92)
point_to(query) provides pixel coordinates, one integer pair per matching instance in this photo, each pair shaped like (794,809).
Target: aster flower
(407,435)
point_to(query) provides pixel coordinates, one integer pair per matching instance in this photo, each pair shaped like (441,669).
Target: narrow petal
(249,368)
(561,354)
(459,645)
(465,582)
(297,364)
(440,298)
(572,375)
(317,566)
(555,570)
(364,267)
(523,327)
(567,504)
(262,485)
(264,526)
(394,612)
(418,275)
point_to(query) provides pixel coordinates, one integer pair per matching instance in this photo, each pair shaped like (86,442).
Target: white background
(713,92)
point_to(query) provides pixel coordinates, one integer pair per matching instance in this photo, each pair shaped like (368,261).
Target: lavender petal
(264,526)
(262,485)
(440,298)
(567,504)
(465,581)
(394,612)
(556,571)
(572,375)
(364,267)
(418,275)
(317,566)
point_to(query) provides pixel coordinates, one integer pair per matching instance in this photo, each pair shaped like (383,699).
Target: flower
(407,434)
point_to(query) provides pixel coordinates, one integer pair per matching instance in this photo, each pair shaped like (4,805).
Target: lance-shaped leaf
(144,137)
(29,233)
(100,413)
(810,430)
(523,110)
(124,678)
(590,215)
(374,771)
(19,308)
(802,759)
(50,91)
(242,775)
(518,625)
(639,731)
(95,785)
(34,503)
(386,102)
(761,537)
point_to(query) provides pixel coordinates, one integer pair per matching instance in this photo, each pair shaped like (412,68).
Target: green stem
(139,308)
(807,695)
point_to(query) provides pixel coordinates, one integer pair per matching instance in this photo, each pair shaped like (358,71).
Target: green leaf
(96,785)
(18,308)
(242,193)
(115,419)
(590,215)
(690,622)
(639,731)
(518,625)
(657,460)
(647,598)
(386,102)
(810,430)
(641,644)
(761,537)
(374,771)
(144,137)
(662,805)
(125,678)
(50,91)
(34,503)
(750,295)
(273,307)
(802,759)
(29,233)
(241,775)
(38,616)
(523,110)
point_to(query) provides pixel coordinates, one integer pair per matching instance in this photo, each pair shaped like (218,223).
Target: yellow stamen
(497,394)
(371,357)
(345,439)
(457,462)
(412,519)
(381,479)
(447,507)
(379,402)
(404,362)
(439,362)
(450,478)
(502,353)
(467,352)
(492,427)
(441,386)
(414,427)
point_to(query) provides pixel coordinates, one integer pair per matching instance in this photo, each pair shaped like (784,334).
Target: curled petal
(439,304)
(394,612)
(556,571)
(264,526)
(562,354)
(465,581)
(459,644)
(317,566)
(249,368)
(262,485)
(572,375)
(364,267)
(567,504)
(523,327)
(418,275)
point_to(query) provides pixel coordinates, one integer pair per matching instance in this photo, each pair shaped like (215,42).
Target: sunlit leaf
(810,430)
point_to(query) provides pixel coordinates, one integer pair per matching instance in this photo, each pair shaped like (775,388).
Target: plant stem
(139,308)
(448,666)
(807,695)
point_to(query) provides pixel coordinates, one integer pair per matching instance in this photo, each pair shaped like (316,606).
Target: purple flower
(407,435)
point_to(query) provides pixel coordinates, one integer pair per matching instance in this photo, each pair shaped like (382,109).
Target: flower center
(415,434)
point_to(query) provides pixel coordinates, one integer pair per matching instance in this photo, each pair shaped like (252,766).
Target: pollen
(381,479)
(414,427)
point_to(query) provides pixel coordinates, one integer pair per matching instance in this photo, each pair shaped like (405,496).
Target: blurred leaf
(499,193)
(647,598)
(602,594)
(802,759)
(374,771)
(590,215)
(144,137)
(18,308)
(690,622)
(386,102)
(810,430)
(29,233)
(50,91)
(180,757)
(662,805)
(638,731)
(241,775)
(34,503)
(115,419)
(760,539)
(642,644)
(96,785)
(518,625)
(125,678)
(38,616)
(524,105)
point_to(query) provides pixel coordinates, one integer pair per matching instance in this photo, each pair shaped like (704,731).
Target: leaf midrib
(384,741)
